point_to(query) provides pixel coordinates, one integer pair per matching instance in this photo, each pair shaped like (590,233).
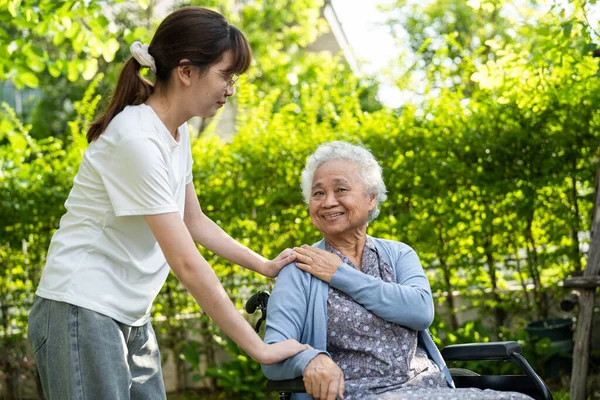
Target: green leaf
(90,67)
(109,49)
(567,29)
(12,8)
(58,38)
(28,79)
(18,143)
(589,47)
(73,70)
(66,23)
(102,21)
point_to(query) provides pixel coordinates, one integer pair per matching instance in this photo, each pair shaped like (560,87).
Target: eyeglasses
(231,80)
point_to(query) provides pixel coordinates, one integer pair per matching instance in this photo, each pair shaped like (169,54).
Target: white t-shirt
(104,256)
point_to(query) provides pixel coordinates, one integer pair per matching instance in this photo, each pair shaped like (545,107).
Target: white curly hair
(368,169)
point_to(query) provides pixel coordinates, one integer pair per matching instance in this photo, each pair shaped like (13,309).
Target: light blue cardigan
(298,306)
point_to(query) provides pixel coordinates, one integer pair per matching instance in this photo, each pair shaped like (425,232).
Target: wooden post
(581,350)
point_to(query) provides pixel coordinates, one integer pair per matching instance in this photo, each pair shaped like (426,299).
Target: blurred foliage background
(490,166)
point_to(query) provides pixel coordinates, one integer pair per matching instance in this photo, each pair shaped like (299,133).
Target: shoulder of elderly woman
(292,272)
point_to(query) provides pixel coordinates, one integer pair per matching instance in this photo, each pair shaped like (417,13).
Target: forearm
(410,305)
(202,283)
(208,234)
(292,367)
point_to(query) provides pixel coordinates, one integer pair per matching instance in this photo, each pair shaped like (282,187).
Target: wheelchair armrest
(480,351)
(497,351)
(289,386)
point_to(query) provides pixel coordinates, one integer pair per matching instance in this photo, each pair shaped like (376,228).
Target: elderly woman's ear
(372,202)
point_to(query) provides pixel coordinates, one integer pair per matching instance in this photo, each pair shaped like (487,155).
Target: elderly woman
(364,304)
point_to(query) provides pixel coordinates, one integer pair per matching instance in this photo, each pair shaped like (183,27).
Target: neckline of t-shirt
(161,127)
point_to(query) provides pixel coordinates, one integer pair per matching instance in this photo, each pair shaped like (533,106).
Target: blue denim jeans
(81,354)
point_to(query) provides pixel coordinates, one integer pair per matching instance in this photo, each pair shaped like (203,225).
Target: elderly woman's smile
(339,203)
(332,217)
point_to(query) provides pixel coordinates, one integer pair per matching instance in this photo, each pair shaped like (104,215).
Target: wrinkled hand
(317,262)
(273,267)
(273,353)
(323,379)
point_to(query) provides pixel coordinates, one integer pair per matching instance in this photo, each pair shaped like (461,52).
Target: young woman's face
(211,90)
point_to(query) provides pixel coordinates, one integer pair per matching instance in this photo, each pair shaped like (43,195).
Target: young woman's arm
(209,235)
(200,280)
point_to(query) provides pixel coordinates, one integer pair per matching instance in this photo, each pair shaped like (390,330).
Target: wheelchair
(528,383)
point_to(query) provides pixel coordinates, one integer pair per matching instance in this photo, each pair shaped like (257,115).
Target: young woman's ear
(183,72)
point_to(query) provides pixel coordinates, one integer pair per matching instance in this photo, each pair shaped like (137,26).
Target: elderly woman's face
(338,201)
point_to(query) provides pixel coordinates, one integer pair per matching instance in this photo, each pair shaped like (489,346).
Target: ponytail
(193,33)
(131,89)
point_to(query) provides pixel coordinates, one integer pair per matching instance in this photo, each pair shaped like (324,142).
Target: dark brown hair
(194,33)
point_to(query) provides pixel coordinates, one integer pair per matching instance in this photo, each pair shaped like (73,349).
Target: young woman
(133,213)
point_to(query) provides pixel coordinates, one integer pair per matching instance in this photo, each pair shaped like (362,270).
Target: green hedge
(490,192)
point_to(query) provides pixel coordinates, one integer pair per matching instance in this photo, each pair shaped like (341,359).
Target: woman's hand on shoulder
(273,267)
(317,262)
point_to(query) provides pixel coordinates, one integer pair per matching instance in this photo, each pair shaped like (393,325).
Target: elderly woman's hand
(317,262)
(323,379)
